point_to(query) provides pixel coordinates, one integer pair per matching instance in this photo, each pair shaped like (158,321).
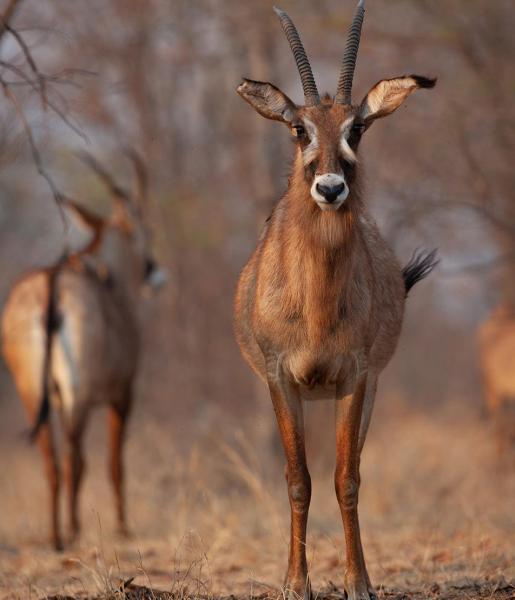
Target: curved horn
(306,74)
(344,91)
(140,171)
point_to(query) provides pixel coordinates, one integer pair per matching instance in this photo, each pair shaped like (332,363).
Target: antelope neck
(319,247)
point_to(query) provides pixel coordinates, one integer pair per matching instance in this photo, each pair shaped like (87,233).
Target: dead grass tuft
(211,518)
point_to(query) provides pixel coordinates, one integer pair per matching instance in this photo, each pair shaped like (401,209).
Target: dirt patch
(436,513)
(454,590)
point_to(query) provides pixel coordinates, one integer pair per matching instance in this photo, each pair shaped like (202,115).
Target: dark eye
(345,165)
(358,128)
(298,131)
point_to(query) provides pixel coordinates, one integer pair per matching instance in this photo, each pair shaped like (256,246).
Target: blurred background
(160,76)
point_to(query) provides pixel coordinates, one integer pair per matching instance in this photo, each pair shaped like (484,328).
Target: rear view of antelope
(71,340)
(320,303)
(497,357)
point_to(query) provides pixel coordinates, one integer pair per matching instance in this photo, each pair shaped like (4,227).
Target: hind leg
(74,471)
(46,445)
(117,422)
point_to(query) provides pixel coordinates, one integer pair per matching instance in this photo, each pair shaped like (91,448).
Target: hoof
(297,591)
(124,533)
(359,592)
(360,596)
(58,545)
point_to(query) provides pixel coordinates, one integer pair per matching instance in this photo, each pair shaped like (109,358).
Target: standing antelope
(70,340)
(497,357)
(319,305)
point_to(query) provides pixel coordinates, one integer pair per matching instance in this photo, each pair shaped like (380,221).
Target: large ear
(91,221)
(268,100)
(83,215)
(387,95)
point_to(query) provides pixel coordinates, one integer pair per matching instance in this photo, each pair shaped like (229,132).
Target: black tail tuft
(424,82)
(420,265)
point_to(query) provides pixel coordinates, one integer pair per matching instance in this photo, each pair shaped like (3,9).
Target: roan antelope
(71,340)
(497,359)
(320,303)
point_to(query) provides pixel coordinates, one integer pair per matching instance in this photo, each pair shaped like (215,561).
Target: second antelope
(497,360)
(320,303)
(71,340)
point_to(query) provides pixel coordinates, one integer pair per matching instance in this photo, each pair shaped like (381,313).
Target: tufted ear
(387,95)
(268,100)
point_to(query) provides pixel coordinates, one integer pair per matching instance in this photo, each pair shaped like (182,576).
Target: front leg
(288,409)
(348,420)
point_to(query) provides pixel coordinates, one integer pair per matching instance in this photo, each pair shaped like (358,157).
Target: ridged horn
(306,74)
(344,91)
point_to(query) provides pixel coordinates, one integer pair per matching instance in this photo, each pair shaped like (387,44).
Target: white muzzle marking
(329,180)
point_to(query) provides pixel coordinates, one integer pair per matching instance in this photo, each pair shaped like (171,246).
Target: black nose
(330,192)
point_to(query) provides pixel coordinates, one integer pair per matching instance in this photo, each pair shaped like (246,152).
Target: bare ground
(210,518)
(467,588)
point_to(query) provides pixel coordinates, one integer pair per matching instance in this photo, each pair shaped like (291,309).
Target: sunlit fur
(497,360)
(320,282)
(319,305)
(94,351)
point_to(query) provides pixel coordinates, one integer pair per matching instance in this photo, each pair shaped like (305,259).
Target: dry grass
(210,517)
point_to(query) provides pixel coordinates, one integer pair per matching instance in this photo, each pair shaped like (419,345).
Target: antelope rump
(71,341)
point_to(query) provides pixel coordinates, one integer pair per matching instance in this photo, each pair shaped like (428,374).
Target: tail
(420,265)
(51,322)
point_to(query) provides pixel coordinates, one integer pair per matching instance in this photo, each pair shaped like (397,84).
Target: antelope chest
(318,373)
(317,354)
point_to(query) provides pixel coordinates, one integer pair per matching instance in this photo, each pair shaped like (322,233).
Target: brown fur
(319,307)
(497,360)
(92,359)
(322,287)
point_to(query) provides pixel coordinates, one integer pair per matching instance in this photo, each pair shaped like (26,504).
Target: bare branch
(31,62)
(106,178)
(38,82)
(29,82)
(7,15)
(36,156)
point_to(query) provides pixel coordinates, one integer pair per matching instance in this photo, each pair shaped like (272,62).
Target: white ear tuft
(387,95)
